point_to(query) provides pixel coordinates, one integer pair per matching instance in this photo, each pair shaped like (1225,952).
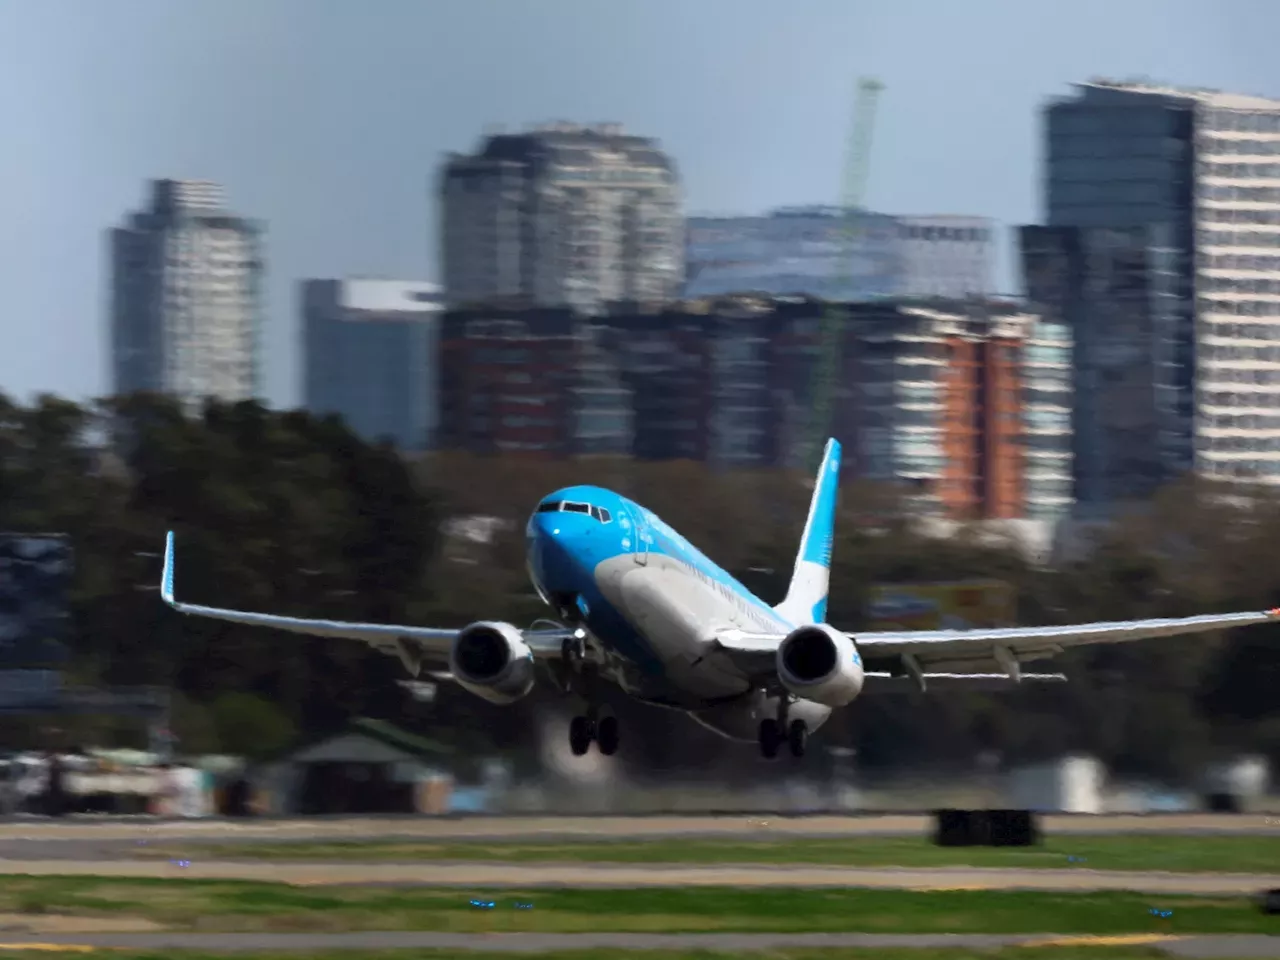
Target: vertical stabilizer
(806,600)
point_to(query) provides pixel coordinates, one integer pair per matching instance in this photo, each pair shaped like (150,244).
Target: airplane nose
(549,555)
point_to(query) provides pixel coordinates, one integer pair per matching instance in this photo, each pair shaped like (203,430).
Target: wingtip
(166,578)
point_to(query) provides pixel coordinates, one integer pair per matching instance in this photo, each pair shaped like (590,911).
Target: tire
(579,735)
(797,737)
(770,738)
(607,735)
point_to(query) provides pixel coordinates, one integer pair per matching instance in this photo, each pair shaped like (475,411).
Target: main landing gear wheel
(607,735)
(581,733)
(770,738)
(797,737)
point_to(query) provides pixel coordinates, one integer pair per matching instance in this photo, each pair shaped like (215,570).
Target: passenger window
(576,508)
(551,507)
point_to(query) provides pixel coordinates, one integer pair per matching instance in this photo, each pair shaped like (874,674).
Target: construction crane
(830,339)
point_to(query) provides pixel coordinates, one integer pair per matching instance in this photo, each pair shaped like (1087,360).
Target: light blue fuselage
(652,603)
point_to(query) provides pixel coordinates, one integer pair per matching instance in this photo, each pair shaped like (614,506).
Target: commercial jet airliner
(640,607)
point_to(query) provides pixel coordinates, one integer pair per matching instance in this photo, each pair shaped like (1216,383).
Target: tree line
(286,512)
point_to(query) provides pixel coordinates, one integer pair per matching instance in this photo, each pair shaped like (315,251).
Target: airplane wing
(415,646)
(921,654)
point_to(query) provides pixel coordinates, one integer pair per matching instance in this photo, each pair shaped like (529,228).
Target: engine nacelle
(821,664)
(492,661)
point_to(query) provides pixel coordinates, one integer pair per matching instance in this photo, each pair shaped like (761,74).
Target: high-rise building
(1048,441)
(562,215)
(186,297)
(1201,169)
(370,354)
(1105,295)
(819,252)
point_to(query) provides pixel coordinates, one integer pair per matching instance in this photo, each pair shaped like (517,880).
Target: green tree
(251,726)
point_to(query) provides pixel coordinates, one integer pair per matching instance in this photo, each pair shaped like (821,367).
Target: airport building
(1174,197)
(370,355)
(562,215)
(186,297)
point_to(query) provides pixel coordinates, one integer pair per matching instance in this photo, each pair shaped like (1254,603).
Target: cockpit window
(550,507)
(576,508)
(601,514)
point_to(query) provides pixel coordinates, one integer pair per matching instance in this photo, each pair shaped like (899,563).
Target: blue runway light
(483,904)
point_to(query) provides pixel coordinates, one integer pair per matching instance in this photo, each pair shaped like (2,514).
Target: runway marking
(1113,940)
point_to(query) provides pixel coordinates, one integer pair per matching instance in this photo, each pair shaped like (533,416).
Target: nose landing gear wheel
(581,733)
(770,738)
(797,737)
(607,735)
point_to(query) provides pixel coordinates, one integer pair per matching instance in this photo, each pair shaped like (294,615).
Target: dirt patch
(55,923)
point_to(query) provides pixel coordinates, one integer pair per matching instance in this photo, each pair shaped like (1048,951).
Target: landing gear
(775,732)
(607,735)
(572,653)
(584,729)
(581,733)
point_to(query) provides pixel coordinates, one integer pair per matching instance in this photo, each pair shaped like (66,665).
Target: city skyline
(331,124)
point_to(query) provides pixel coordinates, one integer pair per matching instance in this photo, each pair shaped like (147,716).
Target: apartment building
(837,255)
(186,297)
(934,395)
(531,382)
(940,411)
(945,255)
(563,215)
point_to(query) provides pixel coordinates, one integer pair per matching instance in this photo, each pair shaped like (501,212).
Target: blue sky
(326,118)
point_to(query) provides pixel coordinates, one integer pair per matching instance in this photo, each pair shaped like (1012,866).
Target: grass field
(878,953)
(245,906)
(1179,854)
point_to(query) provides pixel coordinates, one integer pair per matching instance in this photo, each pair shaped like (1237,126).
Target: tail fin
(806,600)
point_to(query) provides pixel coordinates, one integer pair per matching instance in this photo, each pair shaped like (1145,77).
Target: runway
(487,875)
(96,840)
(605,827)
(1196,946)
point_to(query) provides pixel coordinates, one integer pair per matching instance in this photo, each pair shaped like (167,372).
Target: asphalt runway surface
(472,875)
(98,839)
(730,826)
(1233,946)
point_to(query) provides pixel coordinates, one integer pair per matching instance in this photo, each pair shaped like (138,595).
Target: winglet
(166,579)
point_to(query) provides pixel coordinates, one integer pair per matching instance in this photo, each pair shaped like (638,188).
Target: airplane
(641,608)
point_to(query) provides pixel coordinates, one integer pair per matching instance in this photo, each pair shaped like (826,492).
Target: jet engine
(492,661)
(821,664)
